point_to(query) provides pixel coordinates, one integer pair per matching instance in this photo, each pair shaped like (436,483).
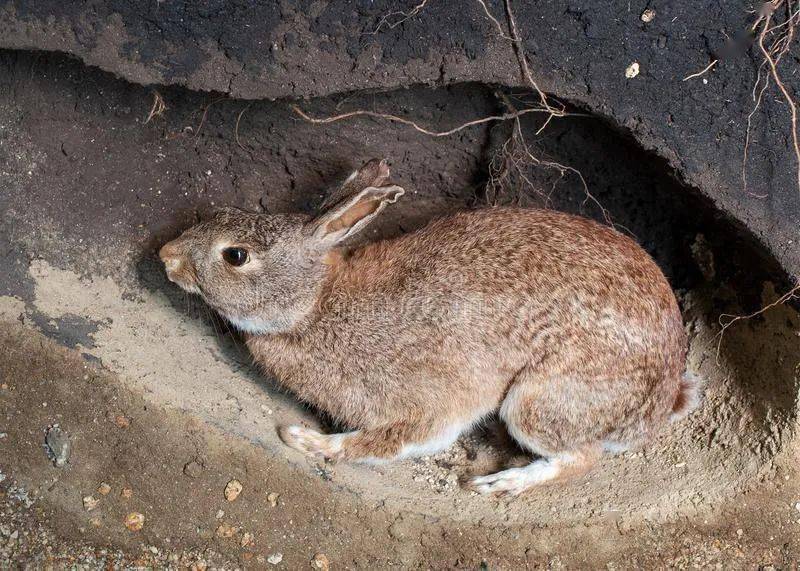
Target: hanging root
(508,168)
(726,319)
(774,30)
(412,124)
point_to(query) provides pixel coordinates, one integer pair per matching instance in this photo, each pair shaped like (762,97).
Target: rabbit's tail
(689,396)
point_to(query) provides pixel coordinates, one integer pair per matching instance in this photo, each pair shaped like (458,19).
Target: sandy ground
(159,403)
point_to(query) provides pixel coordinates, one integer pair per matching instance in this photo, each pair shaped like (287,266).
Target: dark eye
(235,256)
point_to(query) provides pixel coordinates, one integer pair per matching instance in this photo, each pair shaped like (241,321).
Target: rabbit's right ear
(350,215)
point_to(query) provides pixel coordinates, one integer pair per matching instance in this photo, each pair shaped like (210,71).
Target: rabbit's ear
(349,216)
(372,173)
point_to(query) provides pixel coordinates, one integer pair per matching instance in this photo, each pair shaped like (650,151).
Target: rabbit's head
(263,272)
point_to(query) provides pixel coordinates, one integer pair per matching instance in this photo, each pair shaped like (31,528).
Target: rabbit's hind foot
(514,481)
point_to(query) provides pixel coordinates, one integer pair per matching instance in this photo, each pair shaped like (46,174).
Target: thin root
(412,124)
(157,109)
(780,38)
(703,71)
(726,319)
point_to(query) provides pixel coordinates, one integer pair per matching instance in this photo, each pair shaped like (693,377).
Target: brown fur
(566,326)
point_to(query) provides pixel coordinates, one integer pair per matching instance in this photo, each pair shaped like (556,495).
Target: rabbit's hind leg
(555,418)
(514,481)
(392,441)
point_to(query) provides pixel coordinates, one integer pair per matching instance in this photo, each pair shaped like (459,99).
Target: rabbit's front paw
(311,442)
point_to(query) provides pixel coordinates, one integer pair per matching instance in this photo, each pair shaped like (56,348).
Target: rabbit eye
(235,256)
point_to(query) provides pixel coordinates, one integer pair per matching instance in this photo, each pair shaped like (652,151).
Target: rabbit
(564,327)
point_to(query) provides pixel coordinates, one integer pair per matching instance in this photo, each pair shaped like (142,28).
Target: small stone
(126,493)
(134,521)
(226,530)
(680,464)
(90,503)
(193,469)
(320,561)
(797,506)
(122,421)
(632,70)
(232,490)
(95,521)
(648,15)
(220,514)
(272,498)
(58,446)
(103,489)
(247,540)
(740,532)
(198,566)
(275,558)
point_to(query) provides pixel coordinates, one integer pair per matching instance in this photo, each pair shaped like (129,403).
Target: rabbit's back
(441,320)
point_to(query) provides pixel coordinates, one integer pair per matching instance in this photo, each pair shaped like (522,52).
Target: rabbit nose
(170,254)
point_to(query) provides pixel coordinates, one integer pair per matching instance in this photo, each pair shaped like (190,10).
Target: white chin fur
(254,325)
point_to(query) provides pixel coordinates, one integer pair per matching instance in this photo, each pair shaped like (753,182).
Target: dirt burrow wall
(90,190)
(578,51)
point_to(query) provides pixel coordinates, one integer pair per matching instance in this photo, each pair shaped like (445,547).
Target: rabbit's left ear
(350,215)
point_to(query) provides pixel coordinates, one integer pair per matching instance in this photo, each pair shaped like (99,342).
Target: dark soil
(578,51)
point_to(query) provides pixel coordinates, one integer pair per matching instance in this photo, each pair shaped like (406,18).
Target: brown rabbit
(564,326)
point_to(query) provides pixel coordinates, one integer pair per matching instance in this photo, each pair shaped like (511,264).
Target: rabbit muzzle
(177,266)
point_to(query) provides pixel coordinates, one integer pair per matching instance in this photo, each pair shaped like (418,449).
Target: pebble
(193,469)
(797,506)
(648,15)
(90,502)
(134,521)
(320,561)
(126,493)
(275,558)
(226,530)
(122,421)
(57,445)
(103,489)
(632,70)
(220,514)
(272,498)
(247,540)
(232,490)
(740,532)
